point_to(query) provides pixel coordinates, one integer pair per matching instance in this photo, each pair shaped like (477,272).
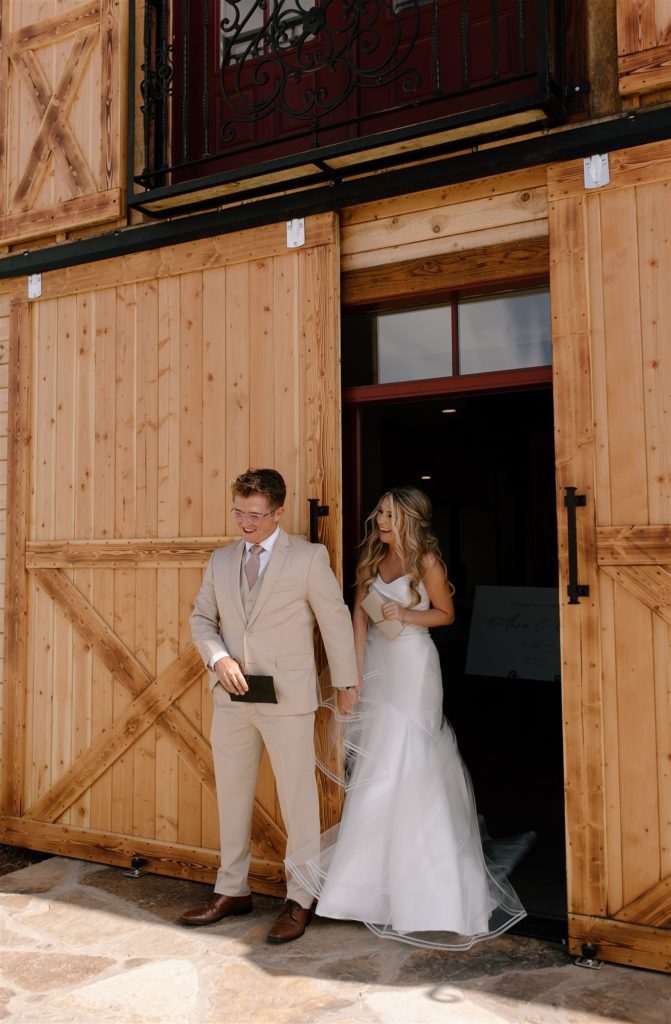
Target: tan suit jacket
(296,587)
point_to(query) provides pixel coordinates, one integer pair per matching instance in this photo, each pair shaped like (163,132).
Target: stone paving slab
(86,945)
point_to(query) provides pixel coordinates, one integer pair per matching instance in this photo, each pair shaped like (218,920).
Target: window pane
(505,332)
(414,345)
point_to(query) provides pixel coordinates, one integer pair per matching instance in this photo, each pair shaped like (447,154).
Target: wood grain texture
(633,545)
(55,134)
(175,860)
(642,25)
(653,908)
(621,942)
(83,210)
(645,71)
(16,592)
(132,723)
(445,196)
(175,260)
(580,627)
(60,163)
(425,277)
(384,233)
(60,26)
(650,585)
(127,669)
(638,165)
(141,553)
(653,214)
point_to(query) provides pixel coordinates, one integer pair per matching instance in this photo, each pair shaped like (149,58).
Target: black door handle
(316,510)
(572,501)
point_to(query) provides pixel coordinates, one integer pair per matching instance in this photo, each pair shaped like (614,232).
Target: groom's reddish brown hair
(267,482)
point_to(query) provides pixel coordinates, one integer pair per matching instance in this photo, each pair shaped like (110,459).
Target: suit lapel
(271,573)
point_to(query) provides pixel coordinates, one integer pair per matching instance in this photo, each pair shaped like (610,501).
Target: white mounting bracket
(34,286)
(295,233)
(597,171)
(585,961)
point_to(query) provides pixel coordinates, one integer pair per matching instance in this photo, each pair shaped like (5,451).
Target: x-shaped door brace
(152,705)
(55,134)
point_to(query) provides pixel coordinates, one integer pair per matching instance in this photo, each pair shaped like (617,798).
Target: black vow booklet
(261,691)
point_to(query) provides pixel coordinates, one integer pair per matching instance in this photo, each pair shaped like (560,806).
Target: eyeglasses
(250,517)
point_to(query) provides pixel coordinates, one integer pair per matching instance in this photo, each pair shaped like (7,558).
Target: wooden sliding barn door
(139,389)
(610,252)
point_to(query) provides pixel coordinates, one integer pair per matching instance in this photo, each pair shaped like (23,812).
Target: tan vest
(248,596)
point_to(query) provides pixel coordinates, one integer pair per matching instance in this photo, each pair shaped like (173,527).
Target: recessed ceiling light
(426,478)
(448,410)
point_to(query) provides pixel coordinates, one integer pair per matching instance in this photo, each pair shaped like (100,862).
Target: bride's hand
(391,610)
(346,700)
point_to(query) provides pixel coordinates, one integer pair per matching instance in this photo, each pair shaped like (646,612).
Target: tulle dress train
(406,858)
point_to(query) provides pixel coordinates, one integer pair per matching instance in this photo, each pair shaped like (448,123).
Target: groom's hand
(230,675)
(347,699)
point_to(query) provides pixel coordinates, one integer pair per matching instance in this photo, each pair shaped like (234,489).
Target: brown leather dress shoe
(291,923)
(217,907)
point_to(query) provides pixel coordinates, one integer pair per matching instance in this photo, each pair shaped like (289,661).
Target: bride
(407,858)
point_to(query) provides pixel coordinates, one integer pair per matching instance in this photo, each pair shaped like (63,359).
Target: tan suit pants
(239,734)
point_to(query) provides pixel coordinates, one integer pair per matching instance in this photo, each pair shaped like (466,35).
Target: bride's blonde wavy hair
(413,539)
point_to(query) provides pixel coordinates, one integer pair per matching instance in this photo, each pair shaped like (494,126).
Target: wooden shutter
(60,115)
(140,387)
(644,46)
(610,253)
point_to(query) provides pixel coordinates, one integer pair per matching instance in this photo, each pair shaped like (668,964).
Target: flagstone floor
(83,943)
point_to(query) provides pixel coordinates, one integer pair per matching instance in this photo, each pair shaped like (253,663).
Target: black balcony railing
(234,88)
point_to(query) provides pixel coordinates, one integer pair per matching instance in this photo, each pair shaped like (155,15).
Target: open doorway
(487,462)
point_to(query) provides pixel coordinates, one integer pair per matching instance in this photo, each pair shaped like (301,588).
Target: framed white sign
(515,633)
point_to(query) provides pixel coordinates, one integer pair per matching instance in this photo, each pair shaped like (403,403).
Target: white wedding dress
(407,858)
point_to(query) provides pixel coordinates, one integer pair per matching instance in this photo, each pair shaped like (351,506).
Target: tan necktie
(253,564)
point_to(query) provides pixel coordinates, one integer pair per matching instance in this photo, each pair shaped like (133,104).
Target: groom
(255,614)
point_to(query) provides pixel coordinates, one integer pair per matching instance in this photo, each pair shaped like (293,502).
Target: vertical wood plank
(636,25)
(237,376)
(597,323)
(190,521)
(168,485)
(662,663)
(64,521)
(624,372)
(216,490)
(167,760)
(653,213)
(103,517)
(44,417)
(321,431)
(16,592)
(611,742)
(263,342)
(82,682)
(289,455)
(125,494)
(636,751)
(110,93)
(146,427)
(216,484)
(580,627)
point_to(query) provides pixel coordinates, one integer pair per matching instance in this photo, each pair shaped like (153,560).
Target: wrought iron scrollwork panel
(305,60)
(156,86)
